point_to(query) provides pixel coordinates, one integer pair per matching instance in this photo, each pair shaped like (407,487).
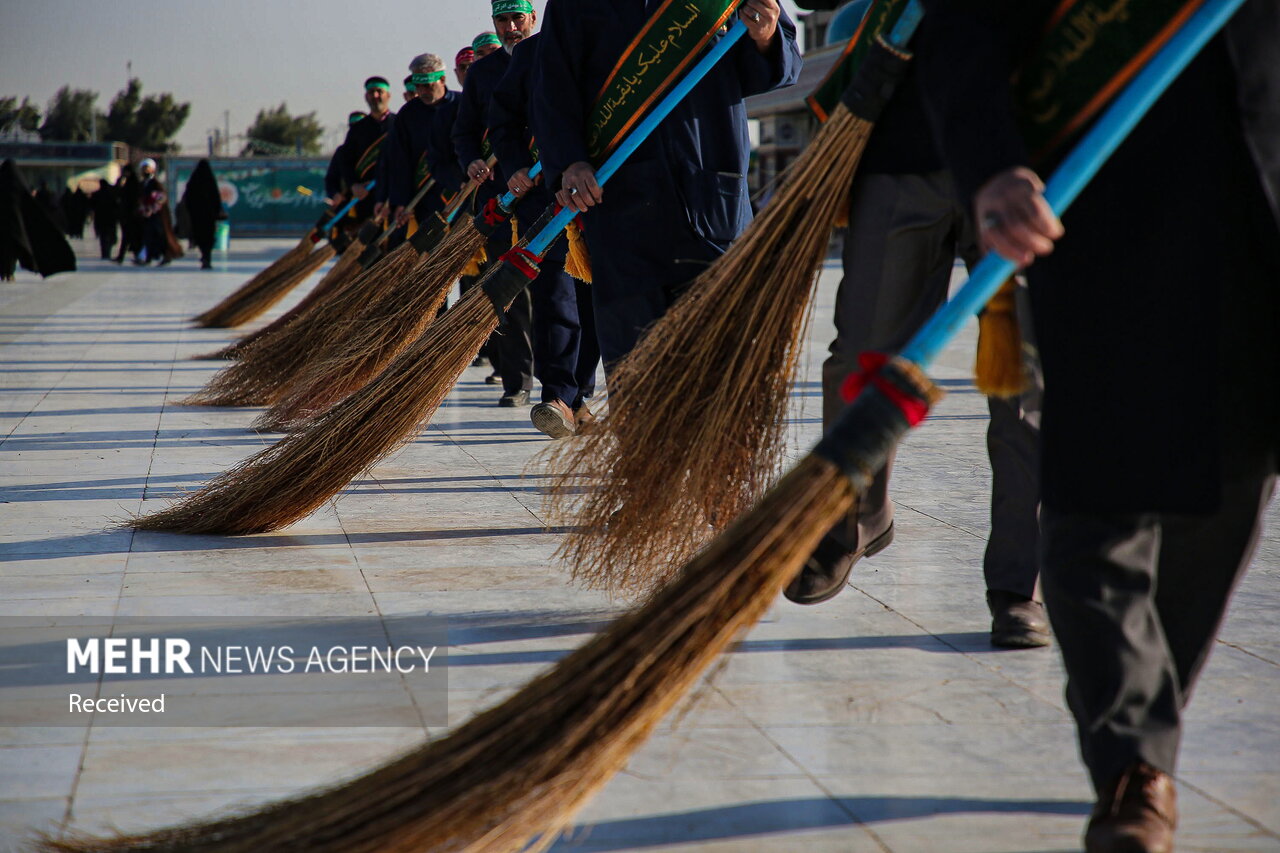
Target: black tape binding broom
(290,479)
(512,777)
(386,328)
(644,489)
(268,287)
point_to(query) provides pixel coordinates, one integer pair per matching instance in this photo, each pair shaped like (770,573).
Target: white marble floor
(880,721)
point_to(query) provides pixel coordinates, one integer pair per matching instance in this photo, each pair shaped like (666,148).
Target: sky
(231,55)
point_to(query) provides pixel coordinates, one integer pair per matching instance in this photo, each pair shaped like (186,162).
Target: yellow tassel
(412,227)
(578,263)
(515,233)
(476,265)
(998,370)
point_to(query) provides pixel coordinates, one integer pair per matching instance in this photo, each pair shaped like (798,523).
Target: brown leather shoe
(1137,814)
(553,418)
(1017,622)
(827,570)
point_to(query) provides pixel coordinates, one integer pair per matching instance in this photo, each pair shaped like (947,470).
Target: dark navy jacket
(333,175)
(508,119)
(469,128)
(440,156)
(360,136)
(703,144)
(408,144)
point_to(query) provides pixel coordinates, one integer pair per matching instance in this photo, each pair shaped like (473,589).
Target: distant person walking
(158,242)
(204,209)
(128,192)
(106,216)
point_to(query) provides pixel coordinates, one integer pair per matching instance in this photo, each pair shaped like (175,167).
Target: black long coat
(203,203)
(1158,313)
(28,234)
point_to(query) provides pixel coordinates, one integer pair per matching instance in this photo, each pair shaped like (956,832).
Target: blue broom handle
(906,25)
(510,198)
(1077,170)
(547,235)
(343,210)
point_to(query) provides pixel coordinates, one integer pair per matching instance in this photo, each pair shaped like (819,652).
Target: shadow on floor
(747,820)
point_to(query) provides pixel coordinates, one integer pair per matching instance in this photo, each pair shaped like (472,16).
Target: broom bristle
(253,304)
(376,337)
(323,289)
(304,246)
(697,411)
(266,368)
(290,479)
(998,369)
(517,773)
(257,303)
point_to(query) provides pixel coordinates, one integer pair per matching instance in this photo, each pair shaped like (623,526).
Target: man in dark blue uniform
(565,352)
(409,159)
(362,148)
(680,199)
(513,20)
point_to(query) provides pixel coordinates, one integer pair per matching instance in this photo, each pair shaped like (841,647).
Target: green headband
(485,39)
(506,7)
(368,87)
(409,88)
(427,78)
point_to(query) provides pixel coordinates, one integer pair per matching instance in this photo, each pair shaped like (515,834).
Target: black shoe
(514,400)
(493,379)
(1017,622)
(480,361)
(827,570)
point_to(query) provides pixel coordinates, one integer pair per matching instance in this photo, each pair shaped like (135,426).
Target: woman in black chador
(128,191)
(28,234)
(106,216)
(204,207)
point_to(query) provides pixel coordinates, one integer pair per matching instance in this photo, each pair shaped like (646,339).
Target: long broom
(266,369)
(387,328)
(684,450)
(290,479)
(269,286)
(325,288)
(512,777)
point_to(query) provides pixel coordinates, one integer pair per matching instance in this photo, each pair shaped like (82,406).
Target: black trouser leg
(1135,601)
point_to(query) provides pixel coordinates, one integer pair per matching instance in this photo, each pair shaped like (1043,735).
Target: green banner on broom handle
(860,439)
(880,18)
(504,281)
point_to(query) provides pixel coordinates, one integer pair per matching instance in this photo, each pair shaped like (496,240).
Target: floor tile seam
(808,774)
(975,659)
(497,478)
(903,505)
(1249,819)
(1239,648)
(85,349)
(69,816)
(382,617)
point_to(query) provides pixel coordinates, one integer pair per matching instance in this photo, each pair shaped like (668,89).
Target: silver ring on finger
(755,16)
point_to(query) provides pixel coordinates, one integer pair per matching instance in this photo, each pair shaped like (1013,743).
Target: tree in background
(148,123)
(15,117)
(275,132)
(70,116)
